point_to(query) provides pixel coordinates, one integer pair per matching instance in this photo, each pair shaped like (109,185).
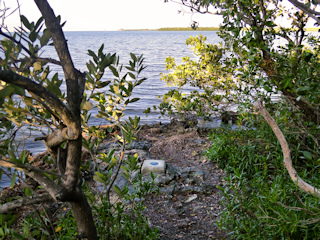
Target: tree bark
(287,162)
(71,180)
(83,215)
(4,208)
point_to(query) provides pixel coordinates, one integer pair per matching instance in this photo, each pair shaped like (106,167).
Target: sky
(110,15)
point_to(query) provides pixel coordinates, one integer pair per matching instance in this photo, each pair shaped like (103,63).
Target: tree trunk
(71,177)
(83,215)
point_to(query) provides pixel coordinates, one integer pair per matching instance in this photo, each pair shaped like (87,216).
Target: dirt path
(185,213)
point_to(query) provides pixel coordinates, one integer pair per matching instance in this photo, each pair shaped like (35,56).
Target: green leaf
(107,61)
(114,71)
(103,84)
(33,36)
(132,75)
(25,21)
(13,180)
(27,192)
(93,55)
(307,155)
(130,68)
(44,39)
(87,106)
(134,100)
(36,27)
(91,67)
(140,81)
(101,49)
(134,58)
(5,92)
(117,190)
(99,177)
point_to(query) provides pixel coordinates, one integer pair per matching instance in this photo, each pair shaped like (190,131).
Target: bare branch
(287,162)
(45,197)
(14,40)
(56,191)
(56,138)
(304,7)
(23,167)
(46,60)
(54,116)
(58,38)
(313,14)
(195,7)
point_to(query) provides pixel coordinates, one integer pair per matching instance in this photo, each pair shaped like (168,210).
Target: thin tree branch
(304,7)
(313,14)
(56,191)
(36,97)
(197,8)
(53,100)
(46,60)
(287,162)
(14,40)
(23,167)
(6,207)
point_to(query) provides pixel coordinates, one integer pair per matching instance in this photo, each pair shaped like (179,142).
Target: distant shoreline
(175,29)
(309,29)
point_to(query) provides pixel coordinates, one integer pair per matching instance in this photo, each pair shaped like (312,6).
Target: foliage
(123,218)
(214,80)
(257,57)
(261,201)
(35,101)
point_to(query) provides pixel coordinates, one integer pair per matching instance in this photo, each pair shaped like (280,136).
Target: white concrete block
(155,166)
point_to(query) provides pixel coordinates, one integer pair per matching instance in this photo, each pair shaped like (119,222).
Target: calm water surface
(154,45)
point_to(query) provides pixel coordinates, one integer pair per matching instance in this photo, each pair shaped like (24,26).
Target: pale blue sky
(99,15)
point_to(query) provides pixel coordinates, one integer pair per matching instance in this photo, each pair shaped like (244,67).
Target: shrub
(260,199)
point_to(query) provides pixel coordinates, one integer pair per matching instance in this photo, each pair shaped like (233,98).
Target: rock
(155,166)
(142,145)
(200,141)
(229,117)
(191,198)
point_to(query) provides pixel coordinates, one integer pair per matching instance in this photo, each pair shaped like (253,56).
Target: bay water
(155,47)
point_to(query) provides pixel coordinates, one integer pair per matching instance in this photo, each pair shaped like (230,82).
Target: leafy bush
(260,199)
(123,218)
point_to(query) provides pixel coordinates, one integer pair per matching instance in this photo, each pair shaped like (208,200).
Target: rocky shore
(188,205)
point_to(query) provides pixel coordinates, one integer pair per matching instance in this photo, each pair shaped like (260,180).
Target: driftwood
(287,162)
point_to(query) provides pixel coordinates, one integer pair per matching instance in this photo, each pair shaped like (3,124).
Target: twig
(45,197)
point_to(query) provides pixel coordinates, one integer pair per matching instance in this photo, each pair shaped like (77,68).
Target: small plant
(123,218)
(260,199)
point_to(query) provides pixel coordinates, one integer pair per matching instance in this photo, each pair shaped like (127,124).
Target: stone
(191,198)
(155,166)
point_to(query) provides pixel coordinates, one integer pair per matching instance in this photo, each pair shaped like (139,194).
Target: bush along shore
(217,181)
(148,206)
